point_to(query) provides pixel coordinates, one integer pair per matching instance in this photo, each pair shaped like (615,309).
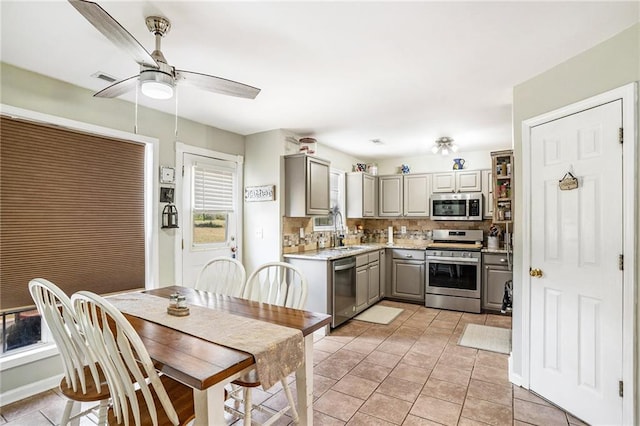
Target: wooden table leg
(304,383)
(209,406)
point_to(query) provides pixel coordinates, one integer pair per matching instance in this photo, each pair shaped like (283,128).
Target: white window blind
(213,189)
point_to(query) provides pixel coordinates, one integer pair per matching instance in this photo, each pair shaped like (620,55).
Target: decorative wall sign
(568,182)
(260,193)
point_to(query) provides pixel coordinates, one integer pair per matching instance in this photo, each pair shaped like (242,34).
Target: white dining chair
(277,283)
(222,275)
(83,379)
(281,284)
(140,396)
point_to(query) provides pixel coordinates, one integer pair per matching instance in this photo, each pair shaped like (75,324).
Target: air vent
(103,76)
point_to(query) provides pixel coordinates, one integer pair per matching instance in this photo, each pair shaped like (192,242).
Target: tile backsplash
(366,231)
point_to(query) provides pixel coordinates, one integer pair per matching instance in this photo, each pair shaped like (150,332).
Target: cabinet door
(493,281)
(383,272)
(487,191)
(408,280)
(318,193)
(374,283)
(443,182)
(362,287)
(417,189)
(390,197)
(369,196)
(468,181)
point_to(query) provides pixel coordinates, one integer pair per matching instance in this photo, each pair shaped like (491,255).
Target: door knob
(535,272)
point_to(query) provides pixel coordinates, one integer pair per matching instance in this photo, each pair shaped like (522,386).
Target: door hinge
(621,262)
(183,170)
(621,135)
(620,388)
(182,243)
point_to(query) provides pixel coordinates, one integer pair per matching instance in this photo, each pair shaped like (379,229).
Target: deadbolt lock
(535,272)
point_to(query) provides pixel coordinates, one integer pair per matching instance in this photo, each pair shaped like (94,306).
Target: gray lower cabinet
(362,287)
(374,283)
(495,273)
(408,275)
(383,273)
(367,280)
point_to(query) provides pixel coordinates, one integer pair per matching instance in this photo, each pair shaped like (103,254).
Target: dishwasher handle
(342,265)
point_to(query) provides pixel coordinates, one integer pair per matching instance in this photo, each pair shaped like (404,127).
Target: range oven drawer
(408,254)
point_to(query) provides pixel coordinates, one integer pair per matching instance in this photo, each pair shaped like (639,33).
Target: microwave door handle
(442,259)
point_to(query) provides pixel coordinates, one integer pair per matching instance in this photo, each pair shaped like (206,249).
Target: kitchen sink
(348,248)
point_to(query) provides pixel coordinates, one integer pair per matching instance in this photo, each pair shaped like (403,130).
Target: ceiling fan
(157,78)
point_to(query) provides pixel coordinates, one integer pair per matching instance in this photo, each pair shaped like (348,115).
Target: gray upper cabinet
(457,181)
(404,195)
(361,195)
(390,195)
(417,189)
(306,186)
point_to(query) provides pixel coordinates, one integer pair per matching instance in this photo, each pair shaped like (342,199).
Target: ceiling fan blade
(118,88)
(115,32)
(216,84)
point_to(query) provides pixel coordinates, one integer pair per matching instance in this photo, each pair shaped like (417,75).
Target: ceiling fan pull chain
(176,131)
(135,124)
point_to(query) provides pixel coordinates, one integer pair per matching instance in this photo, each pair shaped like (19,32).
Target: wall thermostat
(167,174)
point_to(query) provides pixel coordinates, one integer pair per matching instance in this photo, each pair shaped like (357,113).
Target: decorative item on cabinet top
(308,145)
(458,163)
(405,169)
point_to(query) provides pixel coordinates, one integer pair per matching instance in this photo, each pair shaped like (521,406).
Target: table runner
(277,350)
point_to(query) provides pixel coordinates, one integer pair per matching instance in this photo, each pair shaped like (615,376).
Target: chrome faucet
(339,236)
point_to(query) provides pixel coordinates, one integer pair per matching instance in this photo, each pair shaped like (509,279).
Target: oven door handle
(460,260)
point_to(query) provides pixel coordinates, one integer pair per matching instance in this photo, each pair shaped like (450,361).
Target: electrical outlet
(403,229)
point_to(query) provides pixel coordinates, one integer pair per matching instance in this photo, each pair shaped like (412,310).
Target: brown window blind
(71,211)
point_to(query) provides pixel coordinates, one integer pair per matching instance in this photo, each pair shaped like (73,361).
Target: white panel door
(576,238)
(209,216)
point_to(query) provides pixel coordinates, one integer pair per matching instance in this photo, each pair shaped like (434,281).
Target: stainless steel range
(453,273)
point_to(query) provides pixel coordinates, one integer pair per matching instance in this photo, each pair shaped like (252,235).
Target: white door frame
(630,210)
(182,149)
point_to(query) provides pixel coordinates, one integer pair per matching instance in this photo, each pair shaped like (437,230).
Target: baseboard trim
(31,389)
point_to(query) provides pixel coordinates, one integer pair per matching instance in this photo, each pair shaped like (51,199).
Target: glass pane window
(209,227)
(213,191)
(20,329)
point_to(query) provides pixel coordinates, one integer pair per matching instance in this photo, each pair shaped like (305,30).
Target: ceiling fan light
(454,148)
(445,151)
(156,84)
(435,149)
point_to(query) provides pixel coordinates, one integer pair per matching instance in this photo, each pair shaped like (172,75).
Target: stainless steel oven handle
(442,259)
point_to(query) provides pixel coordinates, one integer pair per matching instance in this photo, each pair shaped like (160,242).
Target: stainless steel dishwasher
(344,290)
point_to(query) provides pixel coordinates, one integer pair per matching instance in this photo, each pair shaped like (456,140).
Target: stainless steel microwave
(460,206)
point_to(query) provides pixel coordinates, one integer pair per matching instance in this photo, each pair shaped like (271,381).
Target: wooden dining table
(207,367)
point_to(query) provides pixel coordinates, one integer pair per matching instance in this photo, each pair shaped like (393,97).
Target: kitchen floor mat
(494,339)
(379,314)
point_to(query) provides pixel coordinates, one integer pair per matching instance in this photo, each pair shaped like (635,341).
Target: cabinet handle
(503,260)
(486,267)
(408,256)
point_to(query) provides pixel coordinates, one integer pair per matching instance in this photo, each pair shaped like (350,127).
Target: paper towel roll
(390,236)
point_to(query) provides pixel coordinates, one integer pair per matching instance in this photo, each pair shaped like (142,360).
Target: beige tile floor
(410,372)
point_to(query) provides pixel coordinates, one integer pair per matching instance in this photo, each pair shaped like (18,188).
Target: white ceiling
(342,72)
